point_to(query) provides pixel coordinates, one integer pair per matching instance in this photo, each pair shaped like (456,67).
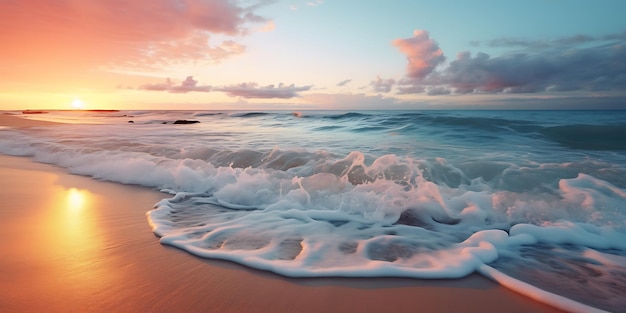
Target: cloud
(243,90)
(422,53)
(382,85)
(268,27)
(594,69)
(409,87)
(141,33)
(188,85)
(158,87)
(540,67)
(343,82)
(315,3)
(253,90)
(438,91)
(194,48)
(559,43)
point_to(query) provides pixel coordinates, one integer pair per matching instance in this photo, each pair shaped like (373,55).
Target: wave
(346,116)
(328,128)
(413,121)
(207,113)
(589,137)
(249,114)
(576,136)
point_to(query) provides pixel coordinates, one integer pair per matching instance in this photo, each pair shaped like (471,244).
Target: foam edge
(535,293)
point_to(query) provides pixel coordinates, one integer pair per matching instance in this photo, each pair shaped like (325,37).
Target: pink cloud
(79,33)
(422,53)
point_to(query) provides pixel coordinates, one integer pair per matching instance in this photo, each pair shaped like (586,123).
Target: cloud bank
(187,85)
(541,67)
(243,90)
(132,34)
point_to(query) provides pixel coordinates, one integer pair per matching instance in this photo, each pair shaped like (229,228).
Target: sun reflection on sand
(76,221)
(75,241)
(76,199)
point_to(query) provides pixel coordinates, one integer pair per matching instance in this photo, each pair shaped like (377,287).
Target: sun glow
(77,104)
(76,199)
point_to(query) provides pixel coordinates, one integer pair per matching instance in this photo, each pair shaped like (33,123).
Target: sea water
(535,200)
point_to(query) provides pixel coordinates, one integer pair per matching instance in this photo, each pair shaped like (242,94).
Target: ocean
(535,200)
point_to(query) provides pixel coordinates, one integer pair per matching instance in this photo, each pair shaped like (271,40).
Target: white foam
(535,293)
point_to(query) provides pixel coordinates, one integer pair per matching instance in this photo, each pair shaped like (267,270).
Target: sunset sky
(331,54)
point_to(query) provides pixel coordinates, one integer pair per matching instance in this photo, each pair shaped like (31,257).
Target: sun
(77,104)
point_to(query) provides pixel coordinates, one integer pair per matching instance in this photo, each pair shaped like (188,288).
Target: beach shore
(9,120)
(74,244)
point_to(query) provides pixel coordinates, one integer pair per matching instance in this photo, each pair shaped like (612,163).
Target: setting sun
(77,104)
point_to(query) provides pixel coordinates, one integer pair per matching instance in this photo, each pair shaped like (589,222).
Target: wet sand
(74,244)
(16,121)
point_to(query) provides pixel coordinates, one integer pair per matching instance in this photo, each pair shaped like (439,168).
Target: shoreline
(76,244)
(17,121)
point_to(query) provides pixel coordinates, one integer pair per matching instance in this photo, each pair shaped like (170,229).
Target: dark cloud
(540,44)
(382,85)
(558,43)
(437,91)
(188,85)
(517,42)
(597,68)
(410,86)
(344,82)
(618,36)
(577,65)
(253,90)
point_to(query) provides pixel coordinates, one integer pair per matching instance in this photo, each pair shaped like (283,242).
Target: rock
(186,122)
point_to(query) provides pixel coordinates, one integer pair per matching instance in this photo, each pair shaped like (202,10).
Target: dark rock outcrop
(186,122)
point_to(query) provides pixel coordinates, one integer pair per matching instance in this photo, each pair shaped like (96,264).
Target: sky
(316,54)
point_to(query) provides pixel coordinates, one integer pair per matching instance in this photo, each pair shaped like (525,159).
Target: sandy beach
(74,244)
